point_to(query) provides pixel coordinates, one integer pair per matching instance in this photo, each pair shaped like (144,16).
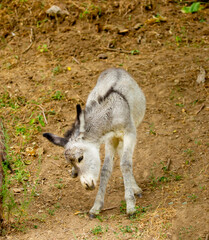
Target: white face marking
(89,168)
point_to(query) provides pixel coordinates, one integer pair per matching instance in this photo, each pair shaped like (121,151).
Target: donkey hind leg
(110,147)
(128,178)
(137,190)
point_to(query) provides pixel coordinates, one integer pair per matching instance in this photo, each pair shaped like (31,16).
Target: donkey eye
(80,159)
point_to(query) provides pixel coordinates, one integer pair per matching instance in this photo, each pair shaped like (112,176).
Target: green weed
(152,131)
(195,7)
(51,211)
(39,119)
(180,104)
(164,167)
(42,48)
(193,197)
(40,22)
(6,100)
(123,206)
(18,177)
(56,70)
(97,230)
(178,40)
(178,177)
(135,52)
(91,11)
(99,218)
(189,152)
(126,229)
(57,96)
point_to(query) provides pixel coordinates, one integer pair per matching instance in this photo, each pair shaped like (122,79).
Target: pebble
(55,10)
(102,56)
(138,25)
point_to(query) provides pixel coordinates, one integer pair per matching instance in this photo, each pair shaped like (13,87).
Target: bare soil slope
(48,64)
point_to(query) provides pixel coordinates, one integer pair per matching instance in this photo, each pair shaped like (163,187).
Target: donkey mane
(70,132)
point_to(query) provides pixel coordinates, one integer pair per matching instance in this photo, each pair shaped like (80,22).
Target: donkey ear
(79,111)
(80,118)
(55,139)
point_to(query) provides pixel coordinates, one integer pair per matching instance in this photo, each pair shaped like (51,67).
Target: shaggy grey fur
(114,109)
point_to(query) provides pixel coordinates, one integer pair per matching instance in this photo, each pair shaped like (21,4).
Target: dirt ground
(48,64)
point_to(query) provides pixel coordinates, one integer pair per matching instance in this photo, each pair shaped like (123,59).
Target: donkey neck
(98,121)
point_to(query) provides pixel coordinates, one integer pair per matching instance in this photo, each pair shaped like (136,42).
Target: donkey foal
(114,109)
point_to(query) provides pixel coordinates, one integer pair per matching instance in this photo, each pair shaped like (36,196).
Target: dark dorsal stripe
(110,91)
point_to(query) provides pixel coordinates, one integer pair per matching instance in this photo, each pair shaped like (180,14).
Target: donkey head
(79,152)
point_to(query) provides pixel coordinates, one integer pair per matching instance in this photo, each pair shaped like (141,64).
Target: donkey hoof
(139,195)
(92,216)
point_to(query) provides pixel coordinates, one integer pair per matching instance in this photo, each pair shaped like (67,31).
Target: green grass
(97,230)
(16,206)
(58,95)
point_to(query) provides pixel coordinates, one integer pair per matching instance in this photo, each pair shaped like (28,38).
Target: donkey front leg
(126,168)
(110,147)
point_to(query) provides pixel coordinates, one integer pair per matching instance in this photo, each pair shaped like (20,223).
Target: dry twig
(105,209)
(76,5)
(116,50)
(42,109)
(201,108)
(76,60)
(2,159)
(32,38)
(168,164)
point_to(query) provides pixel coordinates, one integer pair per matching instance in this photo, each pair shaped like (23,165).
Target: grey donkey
(114,109)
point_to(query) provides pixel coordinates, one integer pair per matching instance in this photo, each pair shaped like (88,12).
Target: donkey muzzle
(74,173)
(88,183)
(90,187)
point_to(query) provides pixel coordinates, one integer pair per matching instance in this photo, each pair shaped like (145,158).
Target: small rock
(109,28)
(123,31)
(201,76)
(102,56)
(138,25)
(139,39)
(18,190)
(55,10)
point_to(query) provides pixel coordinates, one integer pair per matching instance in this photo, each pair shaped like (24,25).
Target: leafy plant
(123,206)
(39,119)
(56,70)
(195,7)
(91,11)
(178,40)
(97,230)
(178,177)
(38,24)
(51,211)
(126,229)
(58,95)
(180,104)
(193,197)
(135,52)
(152,131)
(43,48)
